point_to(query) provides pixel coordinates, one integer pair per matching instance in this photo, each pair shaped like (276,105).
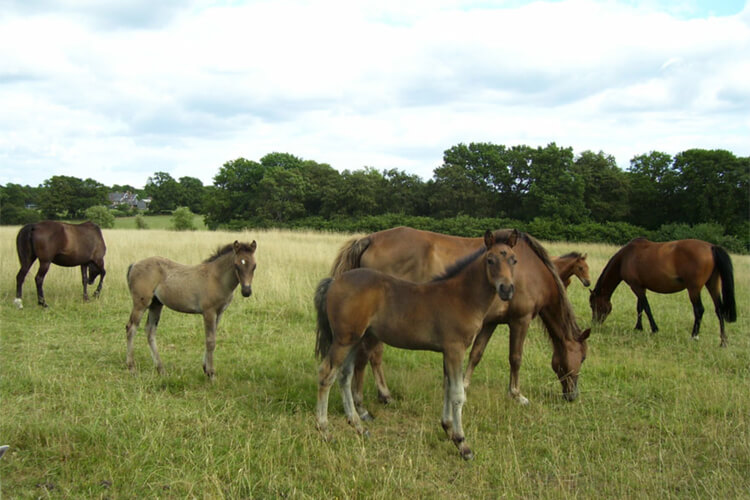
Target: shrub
(140,222)
(182,219)
(101,216)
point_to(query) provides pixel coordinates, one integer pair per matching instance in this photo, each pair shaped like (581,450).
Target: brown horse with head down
(668,268)
(363,306)
(63,244)
(417,256)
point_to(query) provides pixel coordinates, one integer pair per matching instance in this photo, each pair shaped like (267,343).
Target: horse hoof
(385,399)
(366,417)
(467,455)
(695,338)
(18,303)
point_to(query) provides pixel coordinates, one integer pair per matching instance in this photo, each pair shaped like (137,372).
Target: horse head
(244,265)
(601,306)
(582,270)
(567,359)
(500,263)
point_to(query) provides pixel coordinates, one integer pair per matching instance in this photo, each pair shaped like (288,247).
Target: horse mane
(611,262)
(571,255)
(223,250)
(459,265)
(570,327)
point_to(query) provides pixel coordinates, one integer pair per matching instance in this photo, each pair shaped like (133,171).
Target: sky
(116,91)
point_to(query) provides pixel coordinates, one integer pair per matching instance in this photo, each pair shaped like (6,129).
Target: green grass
(659,416)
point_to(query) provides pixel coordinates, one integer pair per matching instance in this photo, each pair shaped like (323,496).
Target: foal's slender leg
(477,350)
(455,397)
(209,323)
(85,279)
(345,382)
(39,279)
(517,336)
(698,309)
(154,313)
(139,307)
(102,272)
(376,364)
(327,372)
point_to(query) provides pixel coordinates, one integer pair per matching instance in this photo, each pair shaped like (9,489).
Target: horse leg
(102,272)
(477,350)
(345,382)
(39,279)
(85,279)
(209,323)
(154,313)
(517,337)
(132,327)
(642,305)
(712,285)
(20,277)
(647,308)
(695,299)
(327,372)
(454,399)
(376,364)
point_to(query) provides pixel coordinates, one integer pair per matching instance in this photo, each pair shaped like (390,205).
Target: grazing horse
(572,264)
(417,256)
(668,268)
(205,289)
(443,315)
(63,244)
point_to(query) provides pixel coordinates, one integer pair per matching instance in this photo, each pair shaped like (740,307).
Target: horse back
(667,267)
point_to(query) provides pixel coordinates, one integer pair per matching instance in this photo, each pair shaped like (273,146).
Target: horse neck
(474,289)
(565,268)
(223,269)
(610,277)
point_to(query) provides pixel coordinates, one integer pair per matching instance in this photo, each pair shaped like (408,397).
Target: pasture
(657,416)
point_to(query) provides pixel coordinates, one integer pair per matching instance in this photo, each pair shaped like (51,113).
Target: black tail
(723,263)
(25,245)
(325,334)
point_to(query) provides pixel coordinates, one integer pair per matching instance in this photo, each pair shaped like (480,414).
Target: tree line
(549,189)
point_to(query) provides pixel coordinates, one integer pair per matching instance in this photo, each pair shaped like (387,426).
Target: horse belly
(407,330)
(179,300)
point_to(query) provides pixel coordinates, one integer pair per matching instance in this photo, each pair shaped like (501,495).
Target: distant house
(129,199)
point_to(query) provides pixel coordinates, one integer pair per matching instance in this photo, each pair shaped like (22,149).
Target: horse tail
(127,275)
(723,263)
(349,255)
(324,337)
(25,245)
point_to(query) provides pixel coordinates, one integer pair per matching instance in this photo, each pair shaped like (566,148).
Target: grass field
(659,416)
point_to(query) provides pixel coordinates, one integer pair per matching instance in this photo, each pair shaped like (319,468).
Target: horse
(417,256)
(572,264)
(443,315)
(63,244)
(669,267)
(206,289)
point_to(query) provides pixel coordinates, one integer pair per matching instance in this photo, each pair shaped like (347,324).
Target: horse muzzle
(246,290)
(506,291)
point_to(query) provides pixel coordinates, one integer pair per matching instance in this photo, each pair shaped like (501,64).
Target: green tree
(62,195)
(653,184)
(190,194)
(555,191)
(17,204)
(281,194)
(164,192)
(182,219)
(606,189)
(101,216)
(233,196)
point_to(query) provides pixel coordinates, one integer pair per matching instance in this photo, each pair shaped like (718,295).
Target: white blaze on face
(242,262)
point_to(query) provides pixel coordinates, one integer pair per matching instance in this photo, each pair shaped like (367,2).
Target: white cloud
(92,89)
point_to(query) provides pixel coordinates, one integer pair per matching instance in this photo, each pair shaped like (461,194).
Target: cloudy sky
(117,90)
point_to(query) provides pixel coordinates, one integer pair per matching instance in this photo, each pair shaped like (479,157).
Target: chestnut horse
(63,244)
(443,315)
(205,289)
(417,256)
(572,264)
(668,268)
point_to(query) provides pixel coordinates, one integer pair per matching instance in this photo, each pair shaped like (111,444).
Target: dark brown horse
(572,264)
(417,256)
(63,244)
(443,315)
(668,268)
(205,289)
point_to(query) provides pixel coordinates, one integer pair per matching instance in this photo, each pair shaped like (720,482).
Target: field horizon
(659,415)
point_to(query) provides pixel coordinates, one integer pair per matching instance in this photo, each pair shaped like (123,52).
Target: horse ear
(253,246)
(584,256)
(513,238)
(584,335)
(236,246)
(489,239)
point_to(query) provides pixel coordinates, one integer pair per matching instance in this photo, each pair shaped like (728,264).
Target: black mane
(459,265)
(571,255)
(223,250)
